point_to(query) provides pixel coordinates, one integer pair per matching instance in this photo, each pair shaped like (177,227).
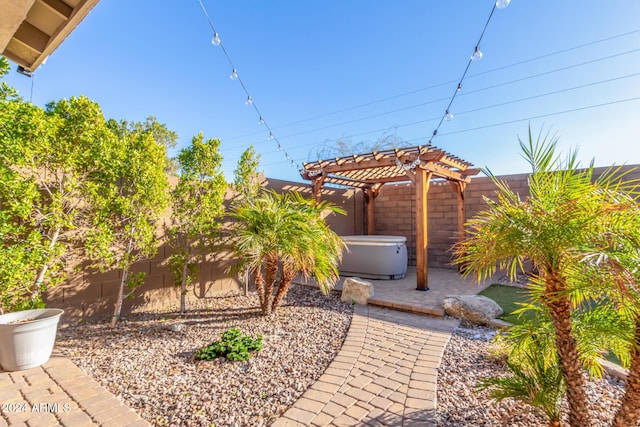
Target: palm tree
(568,218)
(532,379)
(286,234)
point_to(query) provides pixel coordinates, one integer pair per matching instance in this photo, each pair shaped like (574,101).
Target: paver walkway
(59,393)
(384,375)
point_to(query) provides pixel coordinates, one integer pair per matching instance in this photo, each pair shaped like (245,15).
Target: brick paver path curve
(384,375)
(60,394)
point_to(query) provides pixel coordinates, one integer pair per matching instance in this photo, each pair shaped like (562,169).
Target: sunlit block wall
(395,211)
(89,293)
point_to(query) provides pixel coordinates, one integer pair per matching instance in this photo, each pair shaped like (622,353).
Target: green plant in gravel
(50,161)
(234,346)
(286,234)
(533,380)
(198,206)
(127,208)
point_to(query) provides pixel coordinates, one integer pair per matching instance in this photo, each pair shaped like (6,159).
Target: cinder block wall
(89,293)
(395,211)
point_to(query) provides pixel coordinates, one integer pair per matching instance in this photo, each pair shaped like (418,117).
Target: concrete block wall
(395,211)
(89,293)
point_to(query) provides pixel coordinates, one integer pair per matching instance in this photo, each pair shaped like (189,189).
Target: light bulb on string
(279,147)
(216,40)
(271,136)
(501,4)
(249,101)
(448,116)
(234,75)
(261,121)
(477,54)
(459,87)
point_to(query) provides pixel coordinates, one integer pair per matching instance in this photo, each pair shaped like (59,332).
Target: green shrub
(233,345)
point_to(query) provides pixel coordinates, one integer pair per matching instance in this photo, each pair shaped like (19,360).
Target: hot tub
(374,257)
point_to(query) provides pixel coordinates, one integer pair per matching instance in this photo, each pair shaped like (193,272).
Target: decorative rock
(613,369)
(356,290)
(177,327)
(476,309)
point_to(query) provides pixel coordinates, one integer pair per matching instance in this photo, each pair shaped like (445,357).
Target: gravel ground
(466,360)
(147,361)
(150,366)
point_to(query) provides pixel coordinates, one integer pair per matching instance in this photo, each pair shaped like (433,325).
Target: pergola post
(370,195)
(316,188)
(459,187)
(370,212)
(422,180)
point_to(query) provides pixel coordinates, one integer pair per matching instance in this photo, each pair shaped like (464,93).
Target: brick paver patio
(402,294)
(60,394)
(384,375)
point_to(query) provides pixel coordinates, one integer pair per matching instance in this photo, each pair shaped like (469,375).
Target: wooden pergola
(418,165)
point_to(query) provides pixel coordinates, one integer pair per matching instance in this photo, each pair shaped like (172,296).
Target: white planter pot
(29,342)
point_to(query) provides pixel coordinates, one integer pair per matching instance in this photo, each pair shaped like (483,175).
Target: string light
(314,173)
(411,166)
(477,56)
(448,116)
(445,83)
(234,76)
(496,105)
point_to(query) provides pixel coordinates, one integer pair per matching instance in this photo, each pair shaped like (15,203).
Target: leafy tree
(247,179)
(128,207)
(198,205)
(49,162)
(570,223)
(159,131)
(286,233)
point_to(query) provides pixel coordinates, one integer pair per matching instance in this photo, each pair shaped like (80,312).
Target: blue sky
(360,70)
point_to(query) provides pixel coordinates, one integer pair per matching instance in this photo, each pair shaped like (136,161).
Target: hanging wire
(249,100)
(493,70)
(524,119)
(477,55)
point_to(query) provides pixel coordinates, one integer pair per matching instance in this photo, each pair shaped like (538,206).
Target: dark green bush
(233,345)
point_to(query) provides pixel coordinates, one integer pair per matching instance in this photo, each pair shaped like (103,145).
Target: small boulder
(177,327)
(356,290)
(476,309)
